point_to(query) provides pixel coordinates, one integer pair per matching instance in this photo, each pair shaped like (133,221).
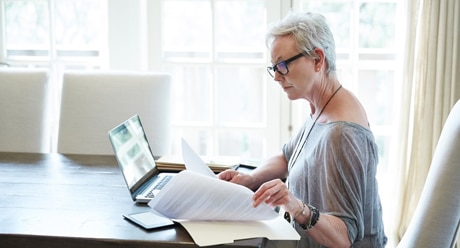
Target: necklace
(303,138)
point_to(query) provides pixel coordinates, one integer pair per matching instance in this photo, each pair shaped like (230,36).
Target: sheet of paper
(205,233)
(192,196)
(214,211)
(193,162)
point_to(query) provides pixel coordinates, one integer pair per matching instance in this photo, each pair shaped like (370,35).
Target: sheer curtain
(431,87)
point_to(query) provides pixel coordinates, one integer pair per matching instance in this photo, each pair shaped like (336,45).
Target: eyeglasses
(282,66)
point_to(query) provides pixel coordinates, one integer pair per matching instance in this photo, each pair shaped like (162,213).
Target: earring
(317,69)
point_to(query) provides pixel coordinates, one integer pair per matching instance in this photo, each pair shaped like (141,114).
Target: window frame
(278,113)
(285,116)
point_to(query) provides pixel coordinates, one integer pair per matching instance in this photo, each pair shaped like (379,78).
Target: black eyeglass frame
(275,69)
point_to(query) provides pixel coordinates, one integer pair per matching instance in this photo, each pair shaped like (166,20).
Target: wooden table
(54,200)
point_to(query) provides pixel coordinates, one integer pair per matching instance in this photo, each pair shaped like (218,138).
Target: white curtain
(431,86)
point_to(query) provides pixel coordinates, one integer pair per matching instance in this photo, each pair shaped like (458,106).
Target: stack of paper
(174,163)
(214,211)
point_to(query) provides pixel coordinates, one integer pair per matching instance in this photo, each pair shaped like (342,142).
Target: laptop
(136,160)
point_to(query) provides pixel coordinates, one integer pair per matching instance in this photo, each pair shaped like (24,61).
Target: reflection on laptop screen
(132,149)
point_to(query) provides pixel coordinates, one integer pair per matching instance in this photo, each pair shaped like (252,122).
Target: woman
(331,193)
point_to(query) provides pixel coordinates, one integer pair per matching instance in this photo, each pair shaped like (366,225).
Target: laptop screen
(133,152)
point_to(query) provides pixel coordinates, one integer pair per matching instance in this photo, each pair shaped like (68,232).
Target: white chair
(93,103)
(24,122)
(436,220)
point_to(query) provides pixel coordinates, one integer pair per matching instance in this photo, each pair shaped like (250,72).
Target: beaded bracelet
(314,217)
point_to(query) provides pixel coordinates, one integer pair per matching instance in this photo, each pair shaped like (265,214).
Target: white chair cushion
(94,103)
(24,122)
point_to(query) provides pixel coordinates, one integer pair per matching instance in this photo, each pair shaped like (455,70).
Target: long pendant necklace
(301,144)
(303,138)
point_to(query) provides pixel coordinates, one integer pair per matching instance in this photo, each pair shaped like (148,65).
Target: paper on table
(214,211)
(191,196)
(206,233)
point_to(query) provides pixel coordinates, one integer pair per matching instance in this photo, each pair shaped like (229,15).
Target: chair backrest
(436,219)
(24,122)
(93,103)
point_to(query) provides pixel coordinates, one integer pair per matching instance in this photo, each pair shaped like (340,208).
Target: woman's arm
(329,230)
(272,168)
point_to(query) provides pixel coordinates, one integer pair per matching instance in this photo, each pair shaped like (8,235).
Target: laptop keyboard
(159,185)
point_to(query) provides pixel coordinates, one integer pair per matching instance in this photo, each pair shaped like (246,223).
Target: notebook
(136,160)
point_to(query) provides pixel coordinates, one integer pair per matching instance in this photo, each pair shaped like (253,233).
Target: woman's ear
(319,59)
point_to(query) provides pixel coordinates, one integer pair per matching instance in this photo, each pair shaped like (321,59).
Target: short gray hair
(310,31)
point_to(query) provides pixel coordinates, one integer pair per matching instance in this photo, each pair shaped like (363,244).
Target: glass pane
(199,139)
(192,94)
(240,96)
(377,25)
(383,143)
(187,29)
(240,33)
(246,144)
(80,23)
(338,15)
(27,27)
(376,94)
(345,75)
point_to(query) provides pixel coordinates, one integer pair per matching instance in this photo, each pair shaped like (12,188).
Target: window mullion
(355,50)
(2,32)
(52,33)
(214,67)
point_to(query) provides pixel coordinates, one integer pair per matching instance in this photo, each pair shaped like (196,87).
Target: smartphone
(148,220)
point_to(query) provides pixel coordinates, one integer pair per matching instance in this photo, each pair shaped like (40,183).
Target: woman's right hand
(271,168)
(234,176)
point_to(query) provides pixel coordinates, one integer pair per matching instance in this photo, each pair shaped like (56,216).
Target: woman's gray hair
(310,31)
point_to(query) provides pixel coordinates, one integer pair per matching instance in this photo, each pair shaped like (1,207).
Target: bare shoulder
(346,107)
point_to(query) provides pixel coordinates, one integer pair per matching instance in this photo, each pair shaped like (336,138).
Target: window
(218,59)
(224,102)
(368,36)
(49,33)
(54,34)
(220,86)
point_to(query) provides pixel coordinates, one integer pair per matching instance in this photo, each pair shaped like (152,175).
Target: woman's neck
(323,96)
